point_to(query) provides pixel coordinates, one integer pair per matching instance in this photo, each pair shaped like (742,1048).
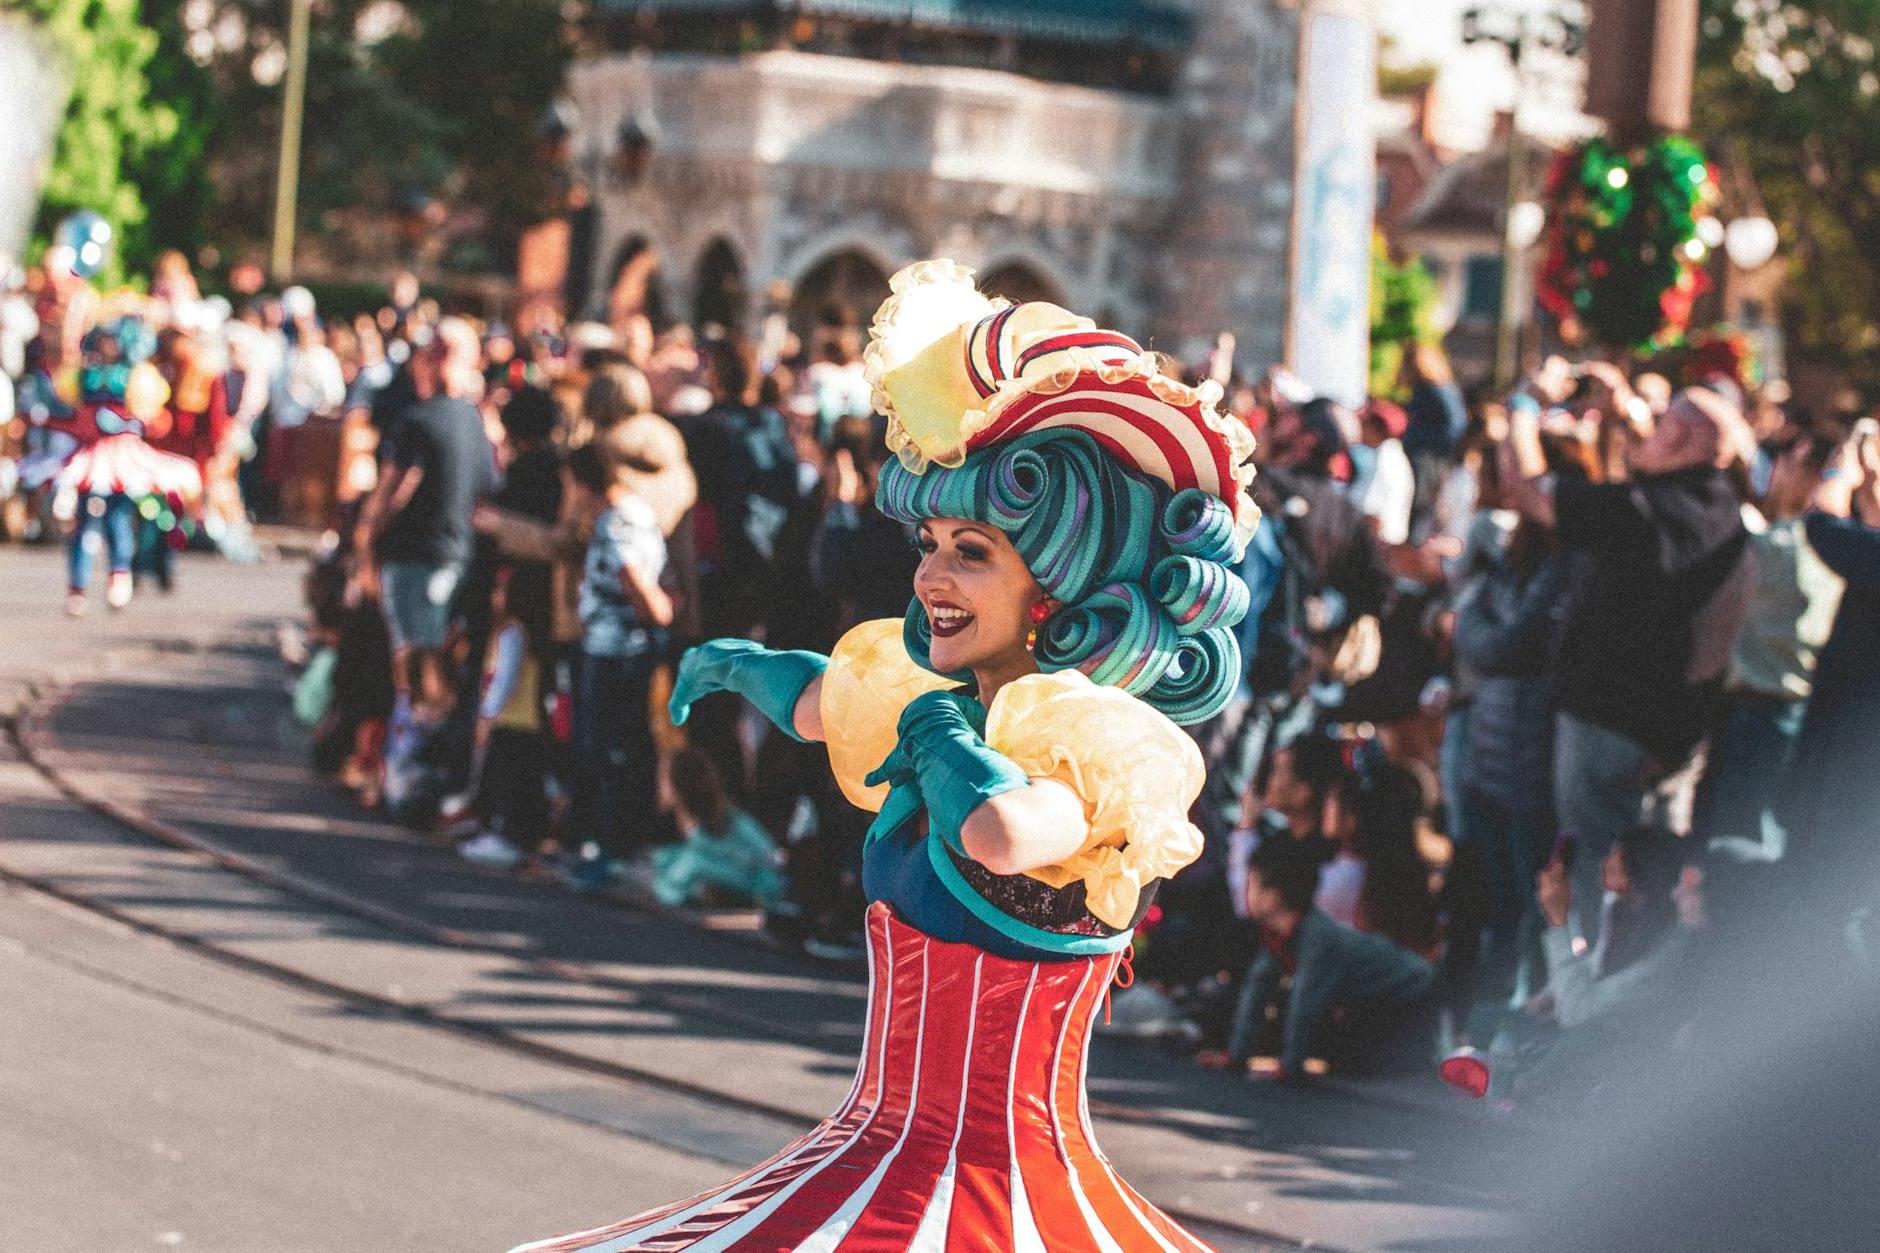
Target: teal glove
(773,681)
(942,753)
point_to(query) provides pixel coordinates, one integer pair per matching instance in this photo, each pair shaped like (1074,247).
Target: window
(1481,287)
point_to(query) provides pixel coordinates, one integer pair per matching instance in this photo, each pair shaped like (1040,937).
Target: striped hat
(954,370)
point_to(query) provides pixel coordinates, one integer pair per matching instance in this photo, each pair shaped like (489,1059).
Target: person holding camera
(1662,590)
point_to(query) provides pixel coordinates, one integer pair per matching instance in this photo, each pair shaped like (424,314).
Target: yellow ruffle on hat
(954,370)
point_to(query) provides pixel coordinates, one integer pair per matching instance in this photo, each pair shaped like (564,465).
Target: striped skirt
(966,1128)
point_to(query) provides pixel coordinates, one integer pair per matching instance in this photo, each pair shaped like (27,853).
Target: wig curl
(1148,601)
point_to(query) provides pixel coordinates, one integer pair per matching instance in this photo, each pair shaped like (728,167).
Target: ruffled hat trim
(941,364)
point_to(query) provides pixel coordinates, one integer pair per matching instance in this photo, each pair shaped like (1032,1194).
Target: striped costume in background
(966,1128)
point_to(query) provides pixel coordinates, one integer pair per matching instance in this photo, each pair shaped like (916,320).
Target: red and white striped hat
(955,370)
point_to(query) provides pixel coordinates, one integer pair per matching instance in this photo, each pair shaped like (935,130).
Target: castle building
(1174,168)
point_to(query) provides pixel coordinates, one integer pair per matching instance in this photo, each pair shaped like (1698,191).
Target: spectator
(724,849)
(1384,486)
(625,612)
(860,559)
(1657,604)
(1378,881)
(1833,791)
(511,751)
(1318,627)
(1771,674)
(309,381)
(837,387)
(747,486)
(1435,414)
(532,488)
(1507,633)
(1377,991)
(442,464)
(1623,998)
(1436,422)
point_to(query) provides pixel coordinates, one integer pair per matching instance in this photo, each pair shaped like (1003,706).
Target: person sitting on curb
(1624,1000)
(1375,991)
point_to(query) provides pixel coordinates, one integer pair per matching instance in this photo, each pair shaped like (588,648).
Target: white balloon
(1751,241)
(1525,222)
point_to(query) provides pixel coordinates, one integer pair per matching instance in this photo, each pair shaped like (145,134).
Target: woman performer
(122,399)
(1017,736)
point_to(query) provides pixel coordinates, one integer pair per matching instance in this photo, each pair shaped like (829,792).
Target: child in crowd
(1377,991)
(1378,881)
(1292,790)
(511,748)
(625,611)
(724,847)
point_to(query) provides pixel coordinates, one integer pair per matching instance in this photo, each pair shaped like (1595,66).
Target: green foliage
(111,123)
(1403,310)
(488,69)
(174,177)
(1405,80)
(1790,95)
(439,105)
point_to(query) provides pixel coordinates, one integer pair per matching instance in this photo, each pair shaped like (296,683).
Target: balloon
(1751,241)
(146,393)
(82,243)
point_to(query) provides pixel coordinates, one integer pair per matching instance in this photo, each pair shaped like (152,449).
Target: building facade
(1132,159)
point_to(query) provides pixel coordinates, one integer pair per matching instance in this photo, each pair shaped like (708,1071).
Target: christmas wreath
(1624,260)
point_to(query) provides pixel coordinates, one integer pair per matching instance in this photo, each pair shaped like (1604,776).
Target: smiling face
(978,595)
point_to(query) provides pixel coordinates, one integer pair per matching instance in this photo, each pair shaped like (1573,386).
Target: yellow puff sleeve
(869,682)
(1136,771)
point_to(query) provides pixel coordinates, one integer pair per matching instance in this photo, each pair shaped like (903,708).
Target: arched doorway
(634,284)
(719,296)
(842,290)
(1018,282)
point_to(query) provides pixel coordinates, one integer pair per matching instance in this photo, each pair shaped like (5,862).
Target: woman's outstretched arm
(1040,824)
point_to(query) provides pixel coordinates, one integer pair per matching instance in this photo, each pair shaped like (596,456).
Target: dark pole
(1641,56)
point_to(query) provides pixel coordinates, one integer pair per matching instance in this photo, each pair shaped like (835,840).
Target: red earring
(1040,610)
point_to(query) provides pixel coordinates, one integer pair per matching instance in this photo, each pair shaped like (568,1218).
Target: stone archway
(719,292)
(1019,281)
(634,283)
(842,290)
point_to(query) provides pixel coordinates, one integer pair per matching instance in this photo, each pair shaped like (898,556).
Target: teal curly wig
(1149,603)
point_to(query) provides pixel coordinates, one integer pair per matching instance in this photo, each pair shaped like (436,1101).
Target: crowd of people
(1542,690)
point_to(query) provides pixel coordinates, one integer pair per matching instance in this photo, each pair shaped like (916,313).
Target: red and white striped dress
(966,1128)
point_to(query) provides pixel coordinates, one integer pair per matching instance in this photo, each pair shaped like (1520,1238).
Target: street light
(1561,29)
(287,173)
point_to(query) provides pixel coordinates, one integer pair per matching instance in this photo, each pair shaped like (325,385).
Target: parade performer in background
(121,398)
(1017,736)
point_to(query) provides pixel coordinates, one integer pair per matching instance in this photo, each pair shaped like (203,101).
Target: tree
(409,102)
(490,69)
(174,178)
(1789,94)
(110,121)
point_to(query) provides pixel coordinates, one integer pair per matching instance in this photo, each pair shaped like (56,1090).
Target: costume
(114,475)
(1124,492)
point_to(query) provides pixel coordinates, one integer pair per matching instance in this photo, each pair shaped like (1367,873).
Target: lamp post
(287,171)
(1518,32)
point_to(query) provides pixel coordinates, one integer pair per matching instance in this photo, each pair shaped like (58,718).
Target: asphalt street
(242,1014)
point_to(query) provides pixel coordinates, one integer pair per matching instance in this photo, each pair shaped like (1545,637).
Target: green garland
(1623,263)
